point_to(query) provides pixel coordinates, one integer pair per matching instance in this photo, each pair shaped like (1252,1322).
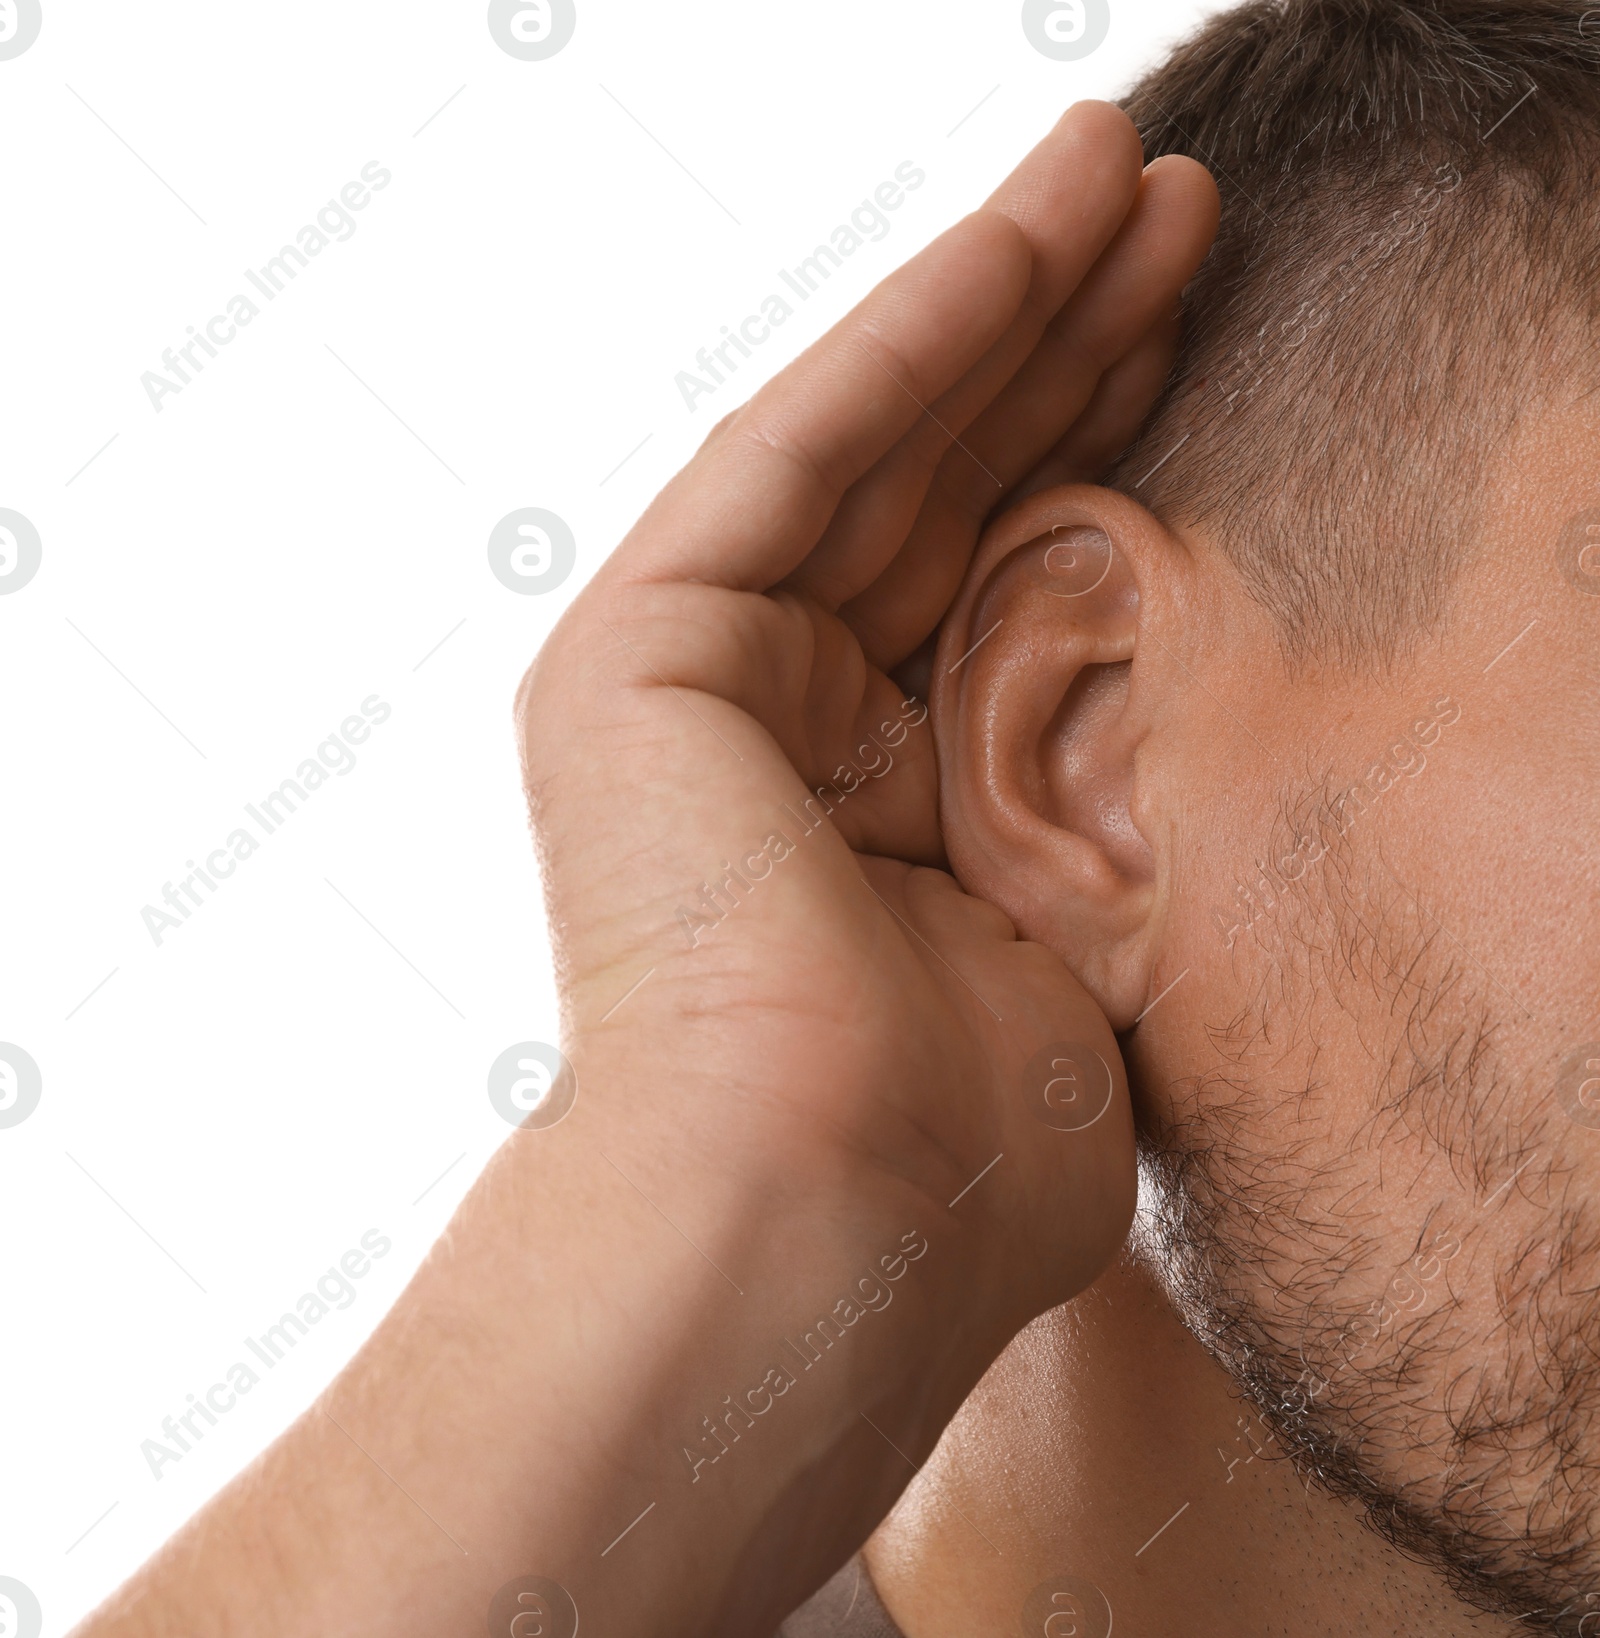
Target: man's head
(1408,254)
(1288,740)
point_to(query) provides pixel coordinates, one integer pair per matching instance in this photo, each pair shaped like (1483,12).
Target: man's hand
(801,1201)
(784,1008)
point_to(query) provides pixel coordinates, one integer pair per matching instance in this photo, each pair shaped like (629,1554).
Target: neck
(1107,1445)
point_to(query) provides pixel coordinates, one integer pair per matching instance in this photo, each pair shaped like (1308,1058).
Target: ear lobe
(1038,717)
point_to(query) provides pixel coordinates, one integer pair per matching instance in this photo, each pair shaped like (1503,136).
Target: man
(1274,764)
(1305,791)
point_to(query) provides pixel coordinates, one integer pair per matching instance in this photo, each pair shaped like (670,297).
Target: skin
(1098,1425)
(836,1065)
(1366,1063)
(820,1094)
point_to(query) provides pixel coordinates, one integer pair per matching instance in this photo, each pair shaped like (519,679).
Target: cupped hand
(781,994)
(814,1061)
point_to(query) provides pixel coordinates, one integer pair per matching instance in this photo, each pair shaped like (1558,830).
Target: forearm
(570,1358)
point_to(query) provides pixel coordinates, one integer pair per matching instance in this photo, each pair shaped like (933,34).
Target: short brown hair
(1409,252)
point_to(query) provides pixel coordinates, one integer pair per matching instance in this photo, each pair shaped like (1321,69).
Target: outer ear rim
(1066,506)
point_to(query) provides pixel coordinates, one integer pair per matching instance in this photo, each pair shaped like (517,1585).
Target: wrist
(658,1392)
(750,1320)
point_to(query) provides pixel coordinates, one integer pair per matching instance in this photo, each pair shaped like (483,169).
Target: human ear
(1043,689)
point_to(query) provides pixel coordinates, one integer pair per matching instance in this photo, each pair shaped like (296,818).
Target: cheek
(1268,1065)
(1499,844)
(1374,1016)
(1498,851)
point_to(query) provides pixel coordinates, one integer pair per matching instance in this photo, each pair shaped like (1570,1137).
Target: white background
(227,1113)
